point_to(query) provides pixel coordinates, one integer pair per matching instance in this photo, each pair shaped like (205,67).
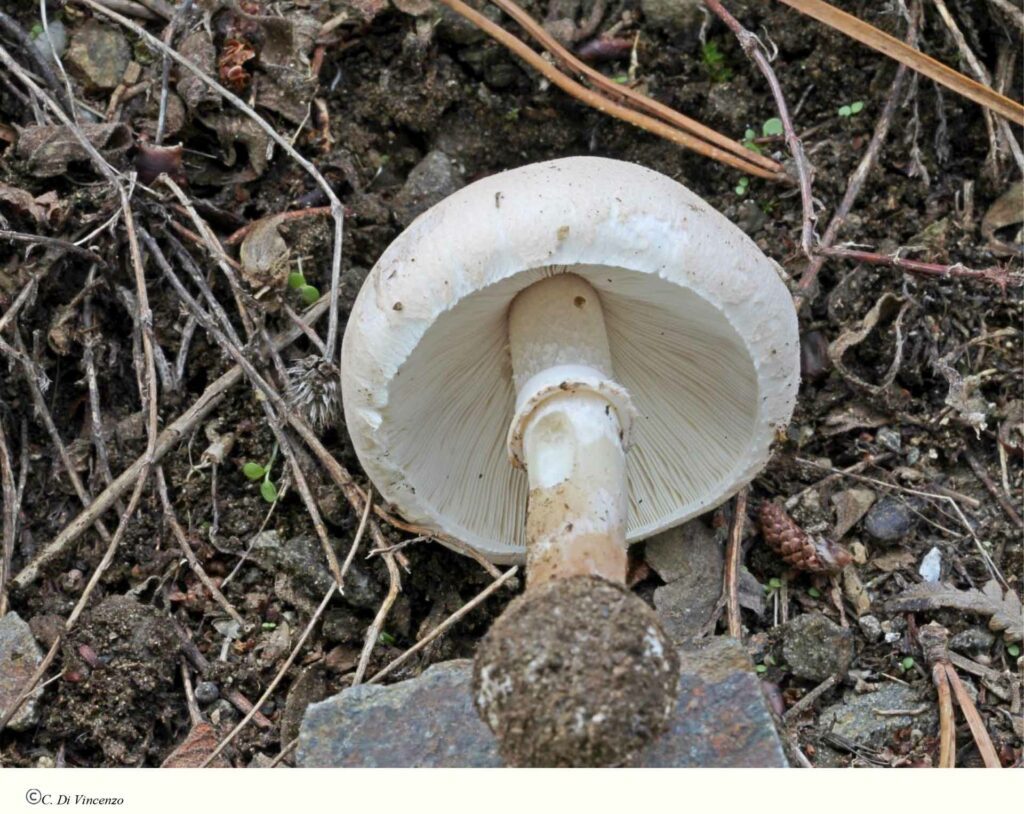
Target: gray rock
(301,560)
(19,658)
(683,552)
(870,627)
(973,640)
(429,721)
(673,16)
(862,719)
(98,56)
(207,692)
(750,217)
(815,647)
(58,39)
(690,559)
(433,179)
(889,520)
(889,438)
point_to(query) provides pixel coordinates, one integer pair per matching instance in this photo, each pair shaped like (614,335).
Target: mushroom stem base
(576,515)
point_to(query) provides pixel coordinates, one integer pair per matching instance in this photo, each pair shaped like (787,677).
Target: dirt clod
(577,672)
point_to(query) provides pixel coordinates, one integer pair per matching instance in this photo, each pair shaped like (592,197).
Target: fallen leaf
(49,149)
(264,255)
(893,561)
(850,505)
(193,751)
(1006,211)
(1003,608)
(886,306)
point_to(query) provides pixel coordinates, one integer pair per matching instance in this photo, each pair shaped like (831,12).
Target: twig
(599,102)
(182,539)
(202,664)
(732,566)
(165,69)
(195,716)
(910,57)
(753,48)
(997,275)
(54,242)
(166,441)
(860,174)
(982,475)
(337,210)
(981,736)
(637,100)
(947,729)
(10,509)
(808,699)
(28,48)
(447,623)
(358,538)
(982,75)
(238,235)
(277,678)
(373,633)
(287,750)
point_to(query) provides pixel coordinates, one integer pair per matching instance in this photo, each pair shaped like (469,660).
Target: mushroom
(632,354)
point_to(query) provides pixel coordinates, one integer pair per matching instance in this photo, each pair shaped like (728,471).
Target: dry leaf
(850,505)
(193,751)
(1006,211)
(264,255)
(1004,609)
(893,561)
(49,149)
(887,304)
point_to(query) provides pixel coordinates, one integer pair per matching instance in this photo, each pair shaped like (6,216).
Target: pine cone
(796,547)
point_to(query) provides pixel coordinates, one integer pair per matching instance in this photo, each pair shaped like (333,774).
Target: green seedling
(773,127)
(254,471)
(1013,650)
(714,62)
(814,592)
(741,186)
(309,293)
(852,109)
(386,638)
(907,663)
(268,626)
(760,668)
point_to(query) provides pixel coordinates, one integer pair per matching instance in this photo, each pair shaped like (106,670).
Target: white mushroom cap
(702,332)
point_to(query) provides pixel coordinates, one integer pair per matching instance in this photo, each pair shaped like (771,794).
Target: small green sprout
(760,668)
(814,592)
(773,127)
(1013,650)
(386,638)
(269,625)
(907,663)
(775,583)
(846,111)
(254,471)
(309,293)
(714,62)
(741,186)
(748,141)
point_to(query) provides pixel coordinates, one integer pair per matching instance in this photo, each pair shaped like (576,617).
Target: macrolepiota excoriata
(550,364)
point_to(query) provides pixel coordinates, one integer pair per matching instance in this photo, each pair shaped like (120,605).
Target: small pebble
(870,627)
(890,439)
(931,565)
(207,692)
(889,520)
(973,640)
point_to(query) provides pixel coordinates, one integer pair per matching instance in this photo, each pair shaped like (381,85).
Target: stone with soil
(889,520)
(815,647)
(868,720)
(19,658)
(98,56)
(720,720)
(436,177)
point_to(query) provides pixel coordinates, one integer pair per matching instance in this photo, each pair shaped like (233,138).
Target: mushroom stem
(569,432)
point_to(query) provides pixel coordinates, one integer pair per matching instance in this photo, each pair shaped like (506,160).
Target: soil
(397,87)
